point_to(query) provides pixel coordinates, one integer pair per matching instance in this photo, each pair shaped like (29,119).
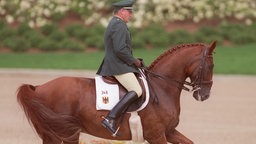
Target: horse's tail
(49,125)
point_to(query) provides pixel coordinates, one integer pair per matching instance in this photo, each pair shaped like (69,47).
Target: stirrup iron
(116,133)
(104,118)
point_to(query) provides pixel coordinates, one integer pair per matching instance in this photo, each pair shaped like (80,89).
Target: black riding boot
(110,121)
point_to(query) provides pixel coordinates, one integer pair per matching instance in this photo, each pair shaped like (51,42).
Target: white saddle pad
(107,95)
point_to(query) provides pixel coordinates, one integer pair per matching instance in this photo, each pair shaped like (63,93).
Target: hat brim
(128,8)
(124,3)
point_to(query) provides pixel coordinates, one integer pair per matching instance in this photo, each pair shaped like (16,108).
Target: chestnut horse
(62,108)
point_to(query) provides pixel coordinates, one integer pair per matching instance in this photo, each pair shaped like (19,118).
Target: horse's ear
(212,47)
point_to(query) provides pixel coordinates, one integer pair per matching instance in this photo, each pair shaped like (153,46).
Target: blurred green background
(69,34)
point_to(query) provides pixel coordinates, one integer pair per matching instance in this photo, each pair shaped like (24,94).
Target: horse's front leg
(176,137)
(156,138)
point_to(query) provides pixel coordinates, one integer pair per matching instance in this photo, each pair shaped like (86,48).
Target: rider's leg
(130,82)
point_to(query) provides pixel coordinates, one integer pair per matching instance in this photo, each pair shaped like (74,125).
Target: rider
(119,61)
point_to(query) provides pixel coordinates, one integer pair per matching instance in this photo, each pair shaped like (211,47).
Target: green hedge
(78,37)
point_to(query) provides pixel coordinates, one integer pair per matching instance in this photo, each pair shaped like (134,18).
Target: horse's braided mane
(172,50)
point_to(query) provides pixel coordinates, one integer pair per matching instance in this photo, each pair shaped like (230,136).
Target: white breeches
(130,82)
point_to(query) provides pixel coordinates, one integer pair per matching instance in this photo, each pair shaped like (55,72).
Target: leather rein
(196,84)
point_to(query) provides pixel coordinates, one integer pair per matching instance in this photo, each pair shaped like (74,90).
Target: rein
(148,72)
(196,84)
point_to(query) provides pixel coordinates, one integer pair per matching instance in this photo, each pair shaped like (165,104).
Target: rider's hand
(137,63)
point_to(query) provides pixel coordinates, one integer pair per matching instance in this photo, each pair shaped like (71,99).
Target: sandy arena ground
(227,117)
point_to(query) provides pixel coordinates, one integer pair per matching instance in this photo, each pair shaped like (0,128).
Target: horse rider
(119,61)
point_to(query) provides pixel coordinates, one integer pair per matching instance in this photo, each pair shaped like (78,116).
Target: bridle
(198,81)
(195,85)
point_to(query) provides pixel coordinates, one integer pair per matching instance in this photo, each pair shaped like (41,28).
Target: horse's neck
(172,65)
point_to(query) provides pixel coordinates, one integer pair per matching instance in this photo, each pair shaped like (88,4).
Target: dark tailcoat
(118,51)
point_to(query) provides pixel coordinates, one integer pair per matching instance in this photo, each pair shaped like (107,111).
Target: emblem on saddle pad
(105,99)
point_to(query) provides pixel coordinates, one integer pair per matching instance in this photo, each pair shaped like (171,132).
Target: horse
(63,107)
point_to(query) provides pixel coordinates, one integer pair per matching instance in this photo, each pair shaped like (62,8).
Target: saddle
(122,91)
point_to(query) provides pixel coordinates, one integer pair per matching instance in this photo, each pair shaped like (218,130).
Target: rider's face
(126,14)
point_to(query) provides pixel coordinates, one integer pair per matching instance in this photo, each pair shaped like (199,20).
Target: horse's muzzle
(199,95)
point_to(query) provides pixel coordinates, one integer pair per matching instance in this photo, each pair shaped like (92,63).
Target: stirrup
(116,133)
(110,129)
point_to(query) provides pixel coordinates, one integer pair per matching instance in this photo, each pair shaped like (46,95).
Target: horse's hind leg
(176,137)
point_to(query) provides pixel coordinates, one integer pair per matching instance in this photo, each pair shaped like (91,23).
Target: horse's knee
(176,137)
(157,140)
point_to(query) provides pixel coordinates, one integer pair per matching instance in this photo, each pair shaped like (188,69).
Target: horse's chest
(174,123)
(173,118)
